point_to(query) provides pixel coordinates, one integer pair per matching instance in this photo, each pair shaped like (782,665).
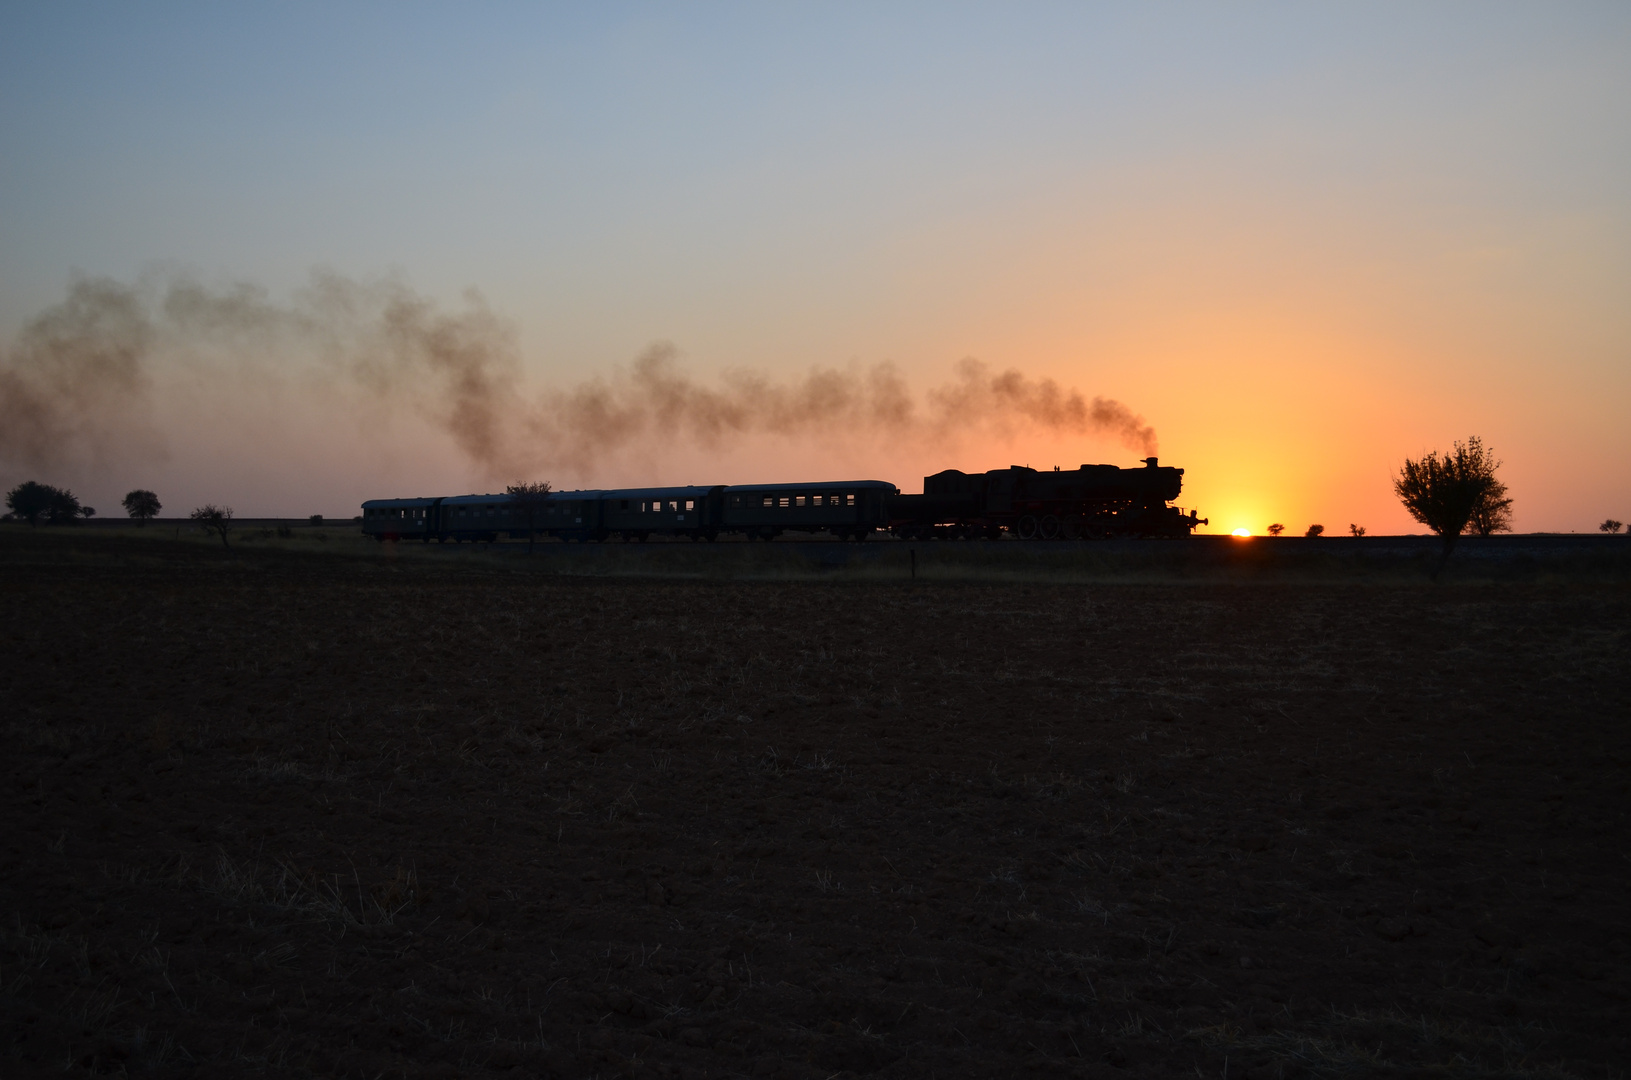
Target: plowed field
(294,816)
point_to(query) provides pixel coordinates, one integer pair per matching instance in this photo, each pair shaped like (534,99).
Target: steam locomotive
(1093,502)
(1090,503)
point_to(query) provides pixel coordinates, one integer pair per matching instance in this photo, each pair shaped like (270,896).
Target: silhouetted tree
(1276,529)
(1357,530)
(1315,530)
(1610,526)
(87,512)
(1492,513)
(214,519)
(31,500)
(141,505)
(527,502)
(1444,491)
(64,509)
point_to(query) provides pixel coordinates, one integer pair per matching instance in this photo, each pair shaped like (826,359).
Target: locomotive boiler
(1093,502)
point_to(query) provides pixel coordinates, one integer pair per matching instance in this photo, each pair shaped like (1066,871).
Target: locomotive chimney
(1151,462)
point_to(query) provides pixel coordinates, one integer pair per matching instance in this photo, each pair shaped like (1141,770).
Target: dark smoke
(657,402)
(74,389)
(79,383)
(77,387)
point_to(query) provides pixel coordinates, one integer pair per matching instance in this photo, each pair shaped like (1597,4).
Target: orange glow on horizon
(1244,534)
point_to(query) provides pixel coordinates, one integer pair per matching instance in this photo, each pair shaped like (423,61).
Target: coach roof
(825,485)
(396,504)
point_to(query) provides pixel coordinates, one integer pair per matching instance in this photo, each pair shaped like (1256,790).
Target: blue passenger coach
(850,510)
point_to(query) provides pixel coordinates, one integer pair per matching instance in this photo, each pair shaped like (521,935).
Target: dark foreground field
(291,815)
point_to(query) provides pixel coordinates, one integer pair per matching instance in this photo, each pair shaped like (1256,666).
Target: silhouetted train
(1093,502)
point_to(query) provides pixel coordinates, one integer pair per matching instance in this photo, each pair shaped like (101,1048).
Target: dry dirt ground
(305,816)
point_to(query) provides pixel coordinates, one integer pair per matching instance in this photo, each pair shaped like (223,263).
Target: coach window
(849,500)
(798,500)
(782,502)
(736,500)
(690,504)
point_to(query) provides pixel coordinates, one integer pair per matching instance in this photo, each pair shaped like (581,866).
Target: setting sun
(1241,532)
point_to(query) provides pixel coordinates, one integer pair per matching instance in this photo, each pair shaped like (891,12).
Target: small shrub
(1315,530)
(1356,530)
(214,519)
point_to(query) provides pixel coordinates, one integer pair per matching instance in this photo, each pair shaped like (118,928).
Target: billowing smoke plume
(75,387)
(656,401)
(78,387)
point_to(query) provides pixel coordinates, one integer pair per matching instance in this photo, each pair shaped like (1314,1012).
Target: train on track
(1090,503)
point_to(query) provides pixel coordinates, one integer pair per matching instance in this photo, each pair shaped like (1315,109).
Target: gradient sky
(1303,241)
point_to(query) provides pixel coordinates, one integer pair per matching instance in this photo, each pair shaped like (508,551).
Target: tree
(1610,526)
(1276,529)
(31,500)
(142,504)
(64,509)
(214,519)
(1444,491)
(87,512)
(1357,530)
(1492,513)
(1315,530)
(527,502)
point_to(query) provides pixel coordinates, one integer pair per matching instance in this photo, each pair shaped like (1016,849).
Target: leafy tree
(527,502)
(1492,513)
(1610,526)
(1357,530)
(32,500)
(1315,530)
(64,509)
(1276,529)
(1444,491)
(214,519)
(142,504)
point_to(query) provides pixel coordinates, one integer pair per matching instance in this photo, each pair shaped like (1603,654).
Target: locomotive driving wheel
(1048,528)
(1027,528)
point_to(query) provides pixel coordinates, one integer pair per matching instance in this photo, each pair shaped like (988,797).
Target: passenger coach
(851,510)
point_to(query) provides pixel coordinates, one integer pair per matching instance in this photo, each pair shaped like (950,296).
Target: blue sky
(1350,193)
